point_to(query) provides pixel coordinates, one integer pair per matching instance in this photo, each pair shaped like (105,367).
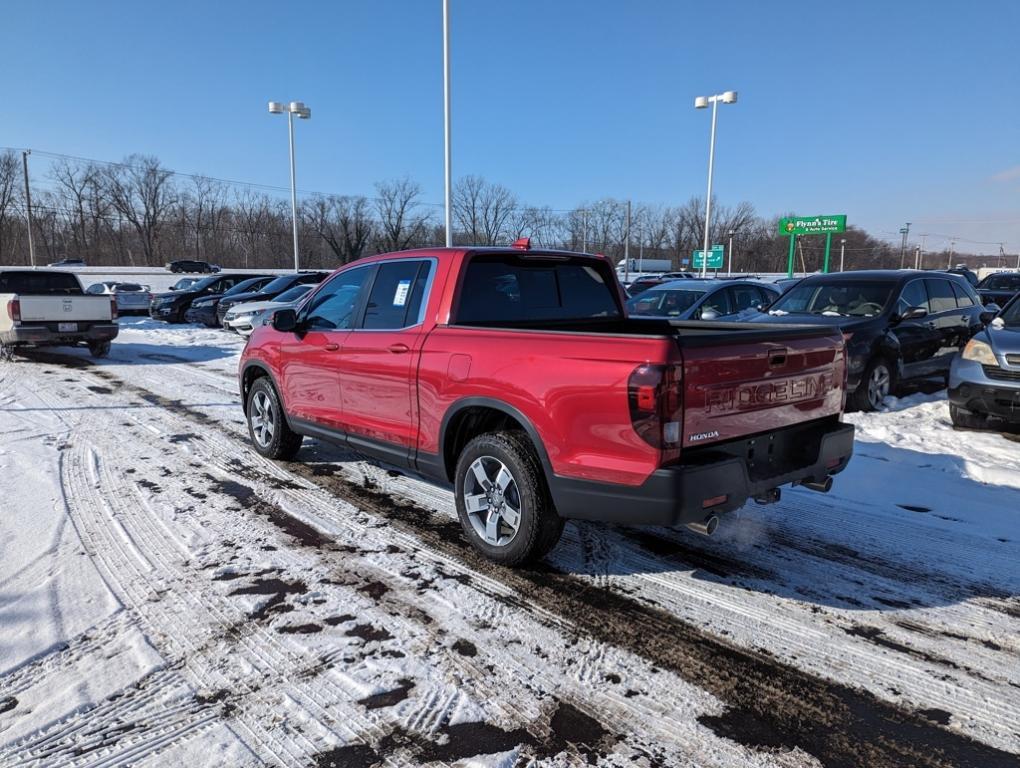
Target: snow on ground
(167,597)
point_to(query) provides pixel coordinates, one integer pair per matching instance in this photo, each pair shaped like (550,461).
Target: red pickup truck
(517,376)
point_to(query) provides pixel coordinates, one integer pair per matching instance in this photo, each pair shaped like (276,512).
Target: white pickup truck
(43,308)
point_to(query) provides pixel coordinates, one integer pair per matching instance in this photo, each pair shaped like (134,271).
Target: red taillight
(14,310)
(653,393)
(113,309)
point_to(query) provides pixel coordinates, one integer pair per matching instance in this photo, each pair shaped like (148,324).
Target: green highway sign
(812,225)
(715,258)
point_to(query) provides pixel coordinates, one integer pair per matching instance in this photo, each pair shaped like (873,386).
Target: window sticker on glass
(400,296)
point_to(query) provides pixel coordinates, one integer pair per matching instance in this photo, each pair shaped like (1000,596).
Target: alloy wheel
(263,419)
(492,500)
(878,385)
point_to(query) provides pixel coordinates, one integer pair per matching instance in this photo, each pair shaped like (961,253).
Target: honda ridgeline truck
(517,376)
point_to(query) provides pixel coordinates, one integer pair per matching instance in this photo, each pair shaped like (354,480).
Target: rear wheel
(502,500)
(6,353)
(964,419)
(268,428)
(99,348)
(875,386)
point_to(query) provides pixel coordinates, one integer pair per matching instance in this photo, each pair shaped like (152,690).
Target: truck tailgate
(65,309)
(752,379)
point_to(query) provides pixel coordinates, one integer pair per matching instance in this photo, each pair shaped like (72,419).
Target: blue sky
(886,111)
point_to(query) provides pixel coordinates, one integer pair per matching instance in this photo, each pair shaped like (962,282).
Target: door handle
(399,349)
(331,347)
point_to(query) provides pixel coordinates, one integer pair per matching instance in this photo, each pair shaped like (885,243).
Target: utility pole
(905,231)
(952,244)
(28,207)
(729,271)
(920,259)
(626,248)
(842,251)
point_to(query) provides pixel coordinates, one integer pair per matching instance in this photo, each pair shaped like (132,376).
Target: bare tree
(482,210)
(10,179)
(142,191)
(402,224)
(343,223)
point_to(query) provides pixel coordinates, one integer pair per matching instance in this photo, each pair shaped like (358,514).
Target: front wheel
(267,426)
(964,419)
(875,386)
(99,348)
(502,499)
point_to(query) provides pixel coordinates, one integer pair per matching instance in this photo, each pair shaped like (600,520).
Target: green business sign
(715,258)
(812,225)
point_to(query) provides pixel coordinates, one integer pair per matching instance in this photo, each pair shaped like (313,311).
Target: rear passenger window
(963,297)
(396,295)
(941,296)
(913,295)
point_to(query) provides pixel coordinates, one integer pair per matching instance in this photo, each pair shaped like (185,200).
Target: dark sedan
(172,306)
(999,288)
(899,324)
(203,309)
(701,299)
(270,291)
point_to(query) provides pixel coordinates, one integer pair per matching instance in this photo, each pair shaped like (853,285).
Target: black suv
(270,291)
(999,288)
(172,306)
(203,309)
(898,324)
(192,265)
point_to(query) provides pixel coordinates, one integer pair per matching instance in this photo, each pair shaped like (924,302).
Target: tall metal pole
(28,207)
(293,190)
(729,272)
(626,248)
(920,255)
(952,244)
(447,172)
(708,199)
(905,231)
(842,251)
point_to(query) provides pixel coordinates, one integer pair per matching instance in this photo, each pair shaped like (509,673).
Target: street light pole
(728,97)
(842,251)
(28,208)
(294,108)
(447,159)
(729,271)
(952,244)
(903,244)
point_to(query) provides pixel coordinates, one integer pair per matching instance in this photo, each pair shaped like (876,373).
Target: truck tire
(502,499)
(964,419)
(876,384)
(267,427)
(99,348)
(6,353)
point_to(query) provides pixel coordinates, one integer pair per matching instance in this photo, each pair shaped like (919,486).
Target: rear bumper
(39,335)
(726,474)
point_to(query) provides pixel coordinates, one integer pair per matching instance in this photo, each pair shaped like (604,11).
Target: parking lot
(170,597)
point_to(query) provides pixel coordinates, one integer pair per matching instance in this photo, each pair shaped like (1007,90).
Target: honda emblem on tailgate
(67,304)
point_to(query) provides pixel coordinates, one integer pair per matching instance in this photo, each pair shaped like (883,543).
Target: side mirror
(989,312)
(914,313)
(709,314)
(284,320)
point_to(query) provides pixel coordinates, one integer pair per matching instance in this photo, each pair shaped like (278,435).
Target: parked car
(899,325)
(183,283)
(701,299)
(786,283)
(172,306)
(203,309)
(964,271)
(546,402)
(270,291)
(43,309)
(67,263)
(192,265)
(244,318)
(130,297)
(999,288)
(984,381)
(643,283)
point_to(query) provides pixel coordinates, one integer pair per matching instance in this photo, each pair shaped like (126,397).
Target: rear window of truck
(506,289)
(40,283)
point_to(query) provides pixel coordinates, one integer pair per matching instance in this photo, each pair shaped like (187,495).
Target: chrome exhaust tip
(823,487)
(706,527)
